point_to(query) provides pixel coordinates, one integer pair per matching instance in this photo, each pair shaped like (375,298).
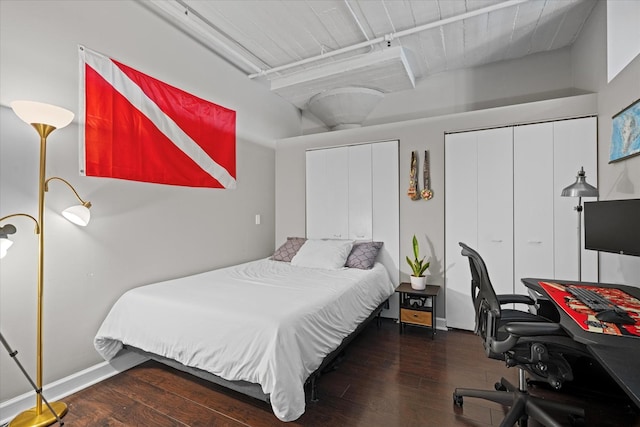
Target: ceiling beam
(389,37)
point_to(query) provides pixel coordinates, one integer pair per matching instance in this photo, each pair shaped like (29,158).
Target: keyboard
(605,310)
(591,299)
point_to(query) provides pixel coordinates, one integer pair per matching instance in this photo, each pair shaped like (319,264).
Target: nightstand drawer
(416,317)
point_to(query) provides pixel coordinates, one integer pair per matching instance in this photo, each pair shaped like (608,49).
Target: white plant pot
(418,283)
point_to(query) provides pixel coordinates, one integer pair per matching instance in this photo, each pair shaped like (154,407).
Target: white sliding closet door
(386,206)
(495,206)
(327,195)
(502,197)
(353,192)
(461,225)
(533,203)
(360,195)
(386,212)
(479,212)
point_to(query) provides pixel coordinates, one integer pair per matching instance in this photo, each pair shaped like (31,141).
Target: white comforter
(266,322)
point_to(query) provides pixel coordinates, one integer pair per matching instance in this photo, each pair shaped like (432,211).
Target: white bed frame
(255,390)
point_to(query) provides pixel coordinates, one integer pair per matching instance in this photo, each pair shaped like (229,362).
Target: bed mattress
(265,322)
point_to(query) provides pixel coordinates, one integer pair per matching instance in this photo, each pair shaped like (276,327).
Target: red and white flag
(141,129)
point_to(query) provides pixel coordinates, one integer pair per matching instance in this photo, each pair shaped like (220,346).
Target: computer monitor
(613,226)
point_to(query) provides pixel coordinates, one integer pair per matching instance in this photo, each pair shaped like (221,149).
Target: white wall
(139,232)
(620,180)
(537,77)
(623,35)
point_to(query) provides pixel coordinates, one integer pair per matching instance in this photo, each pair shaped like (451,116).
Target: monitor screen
(613,226)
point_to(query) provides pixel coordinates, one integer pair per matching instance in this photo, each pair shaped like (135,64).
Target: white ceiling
(308,47)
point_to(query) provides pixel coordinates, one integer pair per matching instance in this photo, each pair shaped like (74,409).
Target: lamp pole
(580,189)
(579,209)
(60,407)
(35,416)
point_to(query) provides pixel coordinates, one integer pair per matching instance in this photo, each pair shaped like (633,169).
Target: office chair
(532,343)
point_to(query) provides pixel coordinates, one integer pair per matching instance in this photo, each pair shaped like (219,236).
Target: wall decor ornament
(413,192)
(625,133)
(426,192)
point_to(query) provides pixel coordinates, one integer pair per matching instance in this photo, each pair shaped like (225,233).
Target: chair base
(522,405)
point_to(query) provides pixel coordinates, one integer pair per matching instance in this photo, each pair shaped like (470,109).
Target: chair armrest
(518,330)
(529,329)
(514,298)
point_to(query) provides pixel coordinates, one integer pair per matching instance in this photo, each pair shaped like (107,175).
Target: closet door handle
(496,240)
(535,242)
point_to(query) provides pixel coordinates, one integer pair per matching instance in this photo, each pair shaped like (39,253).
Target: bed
(269,323)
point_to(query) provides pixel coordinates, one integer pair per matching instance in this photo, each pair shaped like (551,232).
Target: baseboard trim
(71,384)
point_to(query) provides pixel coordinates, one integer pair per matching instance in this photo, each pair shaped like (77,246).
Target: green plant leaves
(418,266)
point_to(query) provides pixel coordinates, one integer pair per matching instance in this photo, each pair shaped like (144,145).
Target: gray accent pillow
(289,249)
(363,255)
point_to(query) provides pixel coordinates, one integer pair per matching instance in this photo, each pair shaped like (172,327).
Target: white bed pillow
(327,254)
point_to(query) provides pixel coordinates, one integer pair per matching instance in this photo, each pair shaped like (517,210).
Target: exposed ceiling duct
(344,108)
(385,70)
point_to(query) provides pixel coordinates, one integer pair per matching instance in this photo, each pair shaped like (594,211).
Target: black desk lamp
(580,189)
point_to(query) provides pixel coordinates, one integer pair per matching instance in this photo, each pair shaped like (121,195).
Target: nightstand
(418,308)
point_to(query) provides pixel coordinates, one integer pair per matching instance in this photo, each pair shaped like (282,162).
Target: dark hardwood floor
(385,379)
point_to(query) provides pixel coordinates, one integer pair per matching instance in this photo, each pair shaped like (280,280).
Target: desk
(619,355)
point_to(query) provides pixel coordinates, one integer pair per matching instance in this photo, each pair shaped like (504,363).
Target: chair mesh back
(482,293)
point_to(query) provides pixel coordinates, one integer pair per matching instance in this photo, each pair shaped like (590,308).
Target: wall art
(625,133)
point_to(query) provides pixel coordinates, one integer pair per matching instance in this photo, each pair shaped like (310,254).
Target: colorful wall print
(625,134)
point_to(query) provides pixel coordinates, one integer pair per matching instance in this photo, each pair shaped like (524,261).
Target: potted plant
(418,267)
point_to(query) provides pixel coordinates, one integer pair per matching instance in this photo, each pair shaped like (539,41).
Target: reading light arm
(37,230)
(46,188)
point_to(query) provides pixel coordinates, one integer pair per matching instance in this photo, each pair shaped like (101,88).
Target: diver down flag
(141,129)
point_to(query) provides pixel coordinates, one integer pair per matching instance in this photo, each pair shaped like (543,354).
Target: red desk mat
(586,318)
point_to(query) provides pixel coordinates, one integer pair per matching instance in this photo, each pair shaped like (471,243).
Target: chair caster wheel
(457,400)
(499,387)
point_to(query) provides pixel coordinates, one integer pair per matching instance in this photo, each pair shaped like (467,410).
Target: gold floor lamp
(45,119)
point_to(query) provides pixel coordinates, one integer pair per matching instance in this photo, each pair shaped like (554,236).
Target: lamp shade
(580,188)
(38,112)
(5,244)
(78,214)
